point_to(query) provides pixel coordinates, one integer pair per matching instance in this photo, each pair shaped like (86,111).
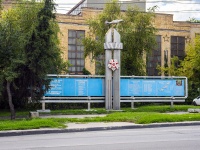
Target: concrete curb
(134,126)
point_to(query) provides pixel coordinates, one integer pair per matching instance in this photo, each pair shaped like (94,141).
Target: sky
(183,10)
(65,5)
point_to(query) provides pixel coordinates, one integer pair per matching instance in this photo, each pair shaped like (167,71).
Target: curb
(135,126)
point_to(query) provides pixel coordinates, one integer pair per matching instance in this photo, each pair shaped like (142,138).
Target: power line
(157,11)
(124,2)
(96,9)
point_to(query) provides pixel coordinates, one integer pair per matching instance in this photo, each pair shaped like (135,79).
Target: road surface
(163,138)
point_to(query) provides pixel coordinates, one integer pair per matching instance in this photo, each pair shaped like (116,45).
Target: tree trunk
(12,109)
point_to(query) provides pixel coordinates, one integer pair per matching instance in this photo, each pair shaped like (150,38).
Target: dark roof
(76,6)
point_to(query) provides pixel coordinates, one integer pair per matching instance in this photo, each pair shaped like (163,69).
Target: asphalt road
(161,138)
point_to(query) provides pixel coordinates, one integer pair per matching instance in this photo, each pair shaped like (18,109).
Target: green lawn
(140,115)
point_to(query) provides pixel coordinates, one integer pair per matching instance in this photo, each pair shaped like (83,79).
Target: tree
(43,55)
(193,20)
(173,69)
(28,50)
(137,35)
(189,67)
(16,25)
(11,52)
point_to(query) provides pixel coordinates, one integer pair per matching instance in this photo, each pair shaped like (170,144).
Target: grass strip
(162,108)
(141,115)
(134,117)
(149,108)
(32,124)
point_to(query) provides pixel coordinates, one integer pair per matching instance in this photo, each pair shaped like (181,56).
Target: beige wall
(73,23)
(89,65)
(7,3)
(167,28)
(163,23)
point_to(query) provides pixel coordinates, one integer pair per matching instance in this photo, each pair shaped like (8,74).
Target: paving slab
(98,124)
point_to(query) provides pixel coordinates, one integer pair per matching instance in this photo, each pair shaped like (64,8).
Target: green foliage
(193,20)
(12,39)
(43,55)
(11,48)
(86,72)
(29,49)
(137,35)
(173,69)
(191,64)
(15,27)
(189,67)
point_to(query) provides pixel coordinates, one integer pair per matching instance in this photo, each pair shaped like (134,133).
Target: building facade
(172,38)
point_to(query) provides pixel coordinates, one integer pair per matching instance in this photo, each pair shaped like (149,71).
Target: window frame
(154,58)
(76,51)
(178,46)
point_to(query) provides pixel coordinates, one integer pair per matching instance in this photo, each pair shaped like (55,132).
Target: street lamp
(114,21)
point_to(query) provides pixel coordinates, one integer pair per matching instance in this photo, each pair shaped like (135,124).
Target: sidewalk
(97,126)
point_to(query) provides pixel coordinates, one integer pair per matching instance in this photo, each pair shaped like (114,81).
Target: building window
(76,51)
(178,47)
(154,58)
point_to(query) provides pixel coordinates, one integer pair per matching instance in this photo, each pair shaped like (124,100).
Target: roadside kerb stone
(192,110)
(81,128)
(34,114)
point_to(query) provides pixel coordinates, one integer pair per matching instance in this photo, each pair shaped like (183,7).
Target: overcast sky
(182,9)
(65,5)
